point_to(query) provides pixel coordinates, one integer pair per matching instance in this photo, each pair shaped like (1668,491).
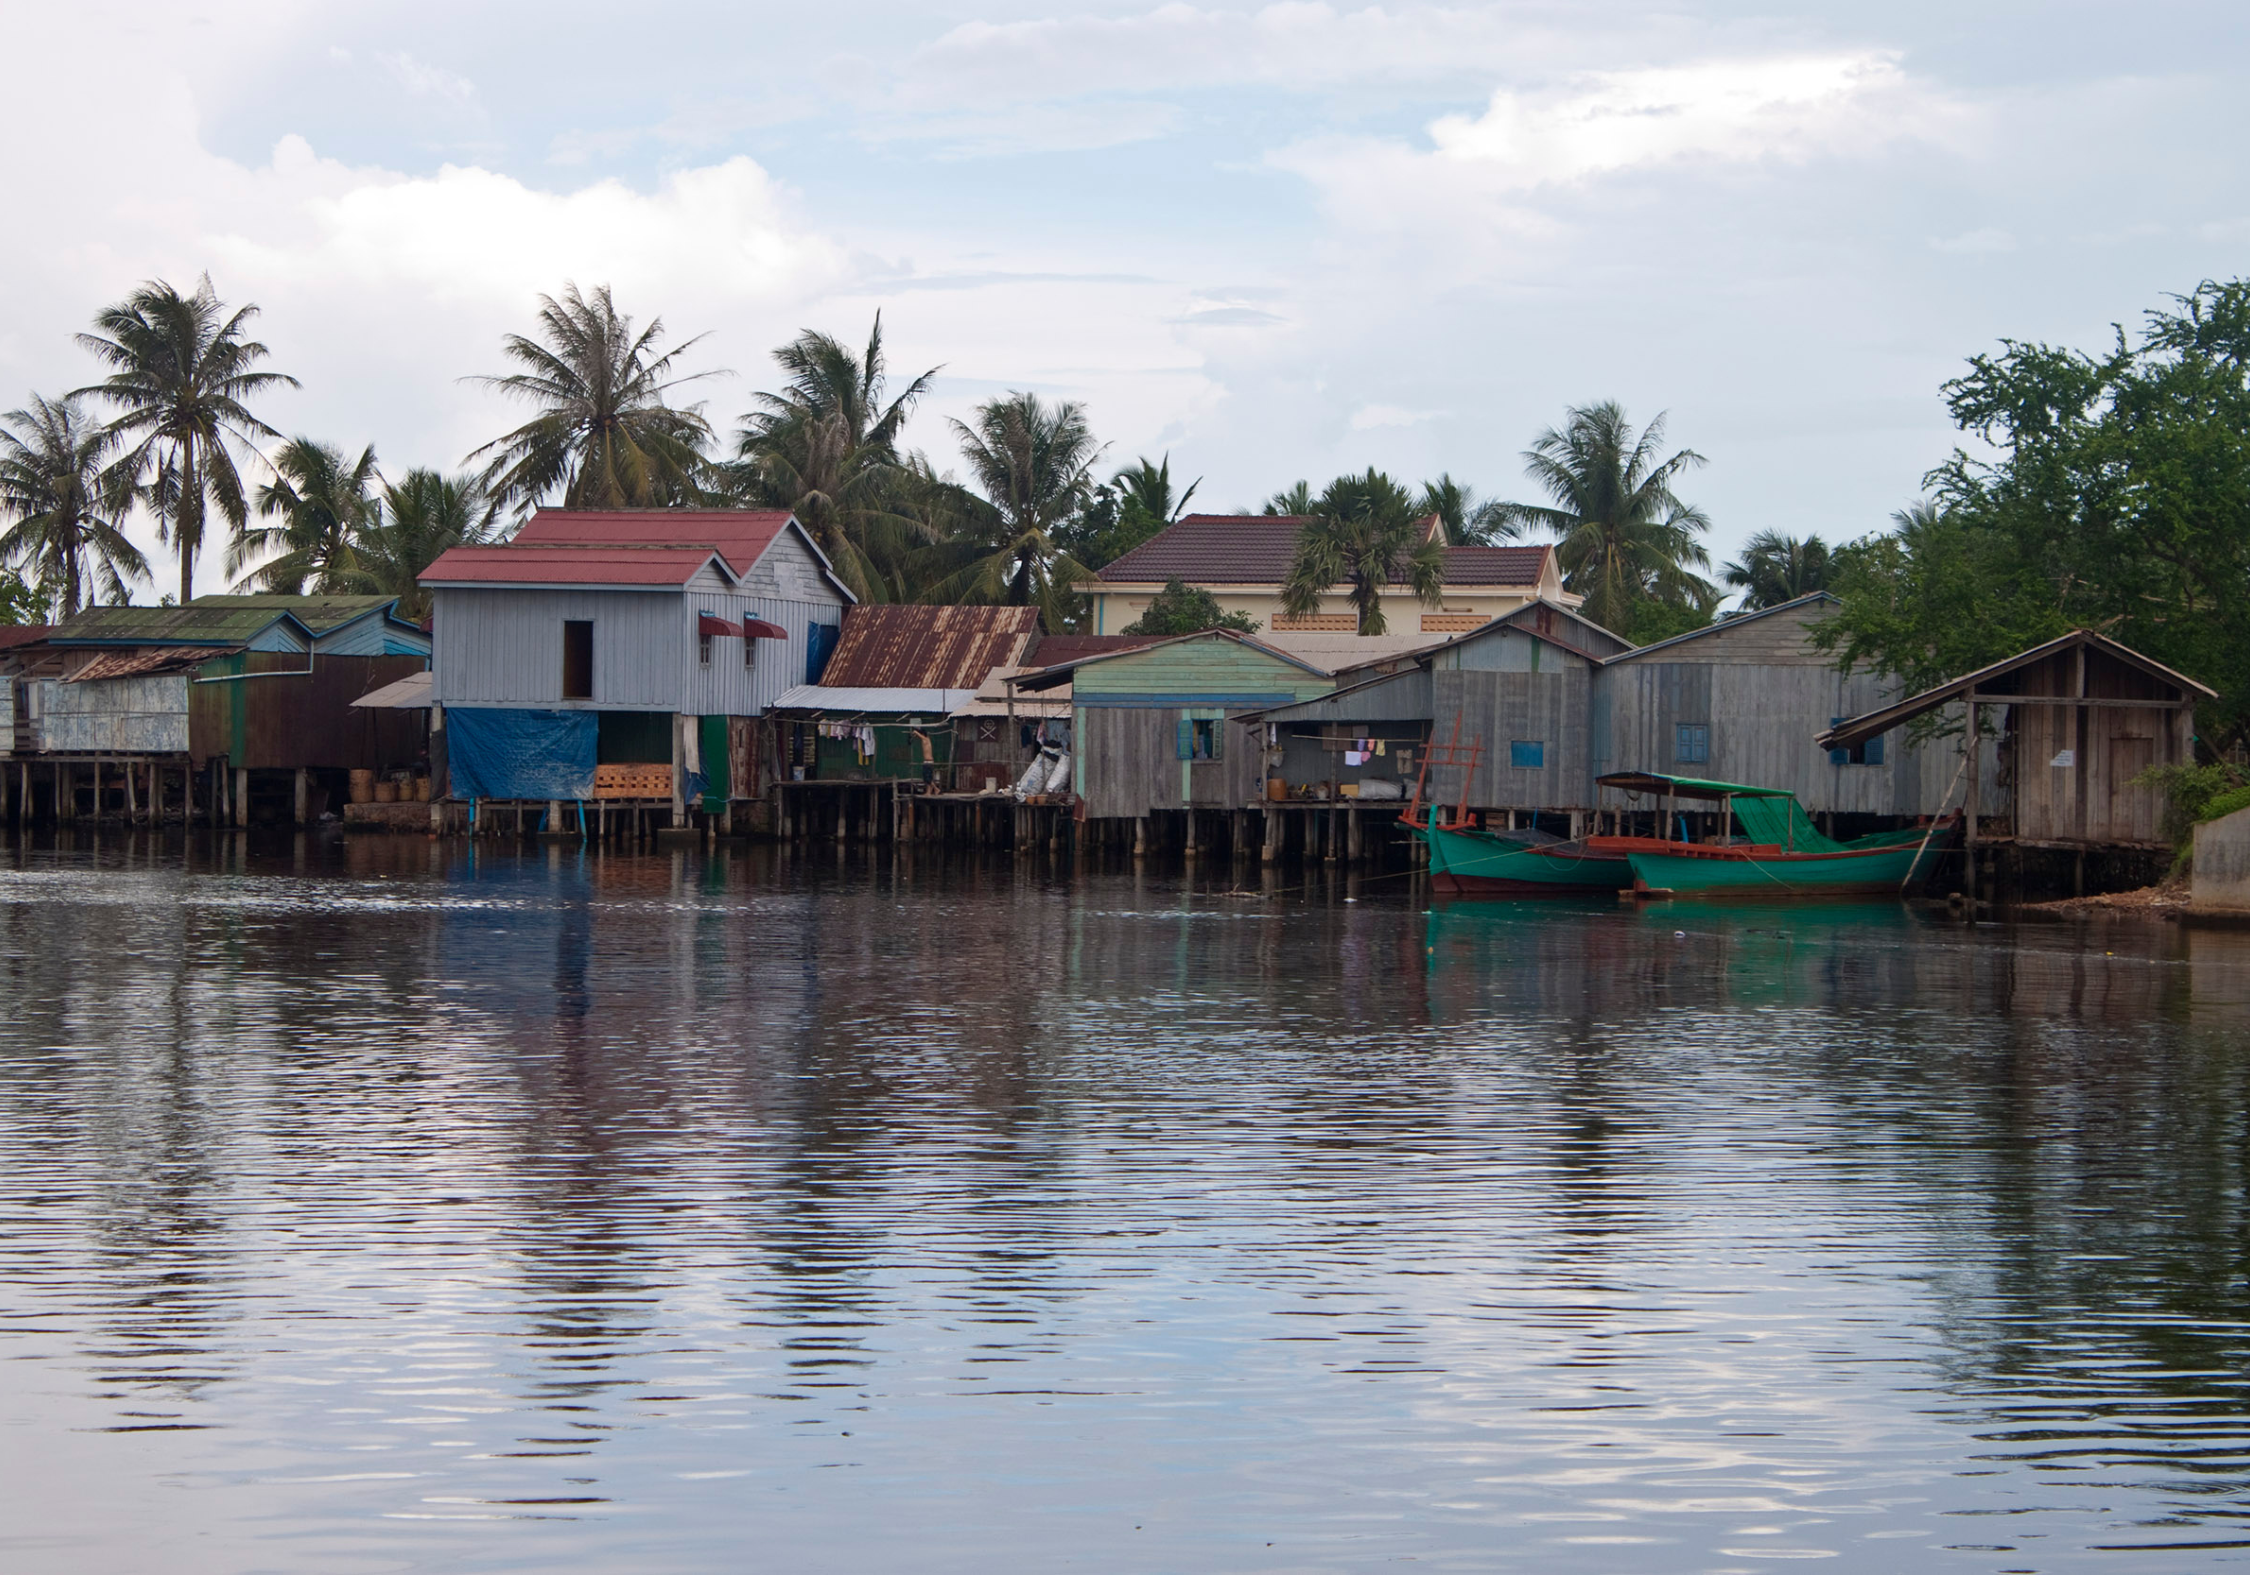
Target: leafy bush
(2194,794)
(1184,609)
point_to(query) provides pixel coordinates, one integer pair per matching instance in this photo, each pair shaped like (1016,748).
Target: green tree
(65,505)
(1775,568)
(1130,508)
(1295,502)
(418,517)
(1363,534)
(605,435)
(1183,609)
(322,506)
(1469,521)
(1624,540)
(1034,464)
(2110,492)
(825,447)
(181,377)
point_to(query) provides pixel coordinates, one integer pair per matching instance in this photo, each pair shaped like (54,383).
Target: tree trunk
(187,534)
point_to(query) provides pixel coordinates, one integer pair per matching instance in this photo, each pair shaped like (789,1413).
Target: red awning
(759,629)
(707,623)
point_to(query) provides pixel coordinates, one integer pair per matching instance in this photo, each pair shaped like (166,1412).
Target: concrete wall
(2222,865)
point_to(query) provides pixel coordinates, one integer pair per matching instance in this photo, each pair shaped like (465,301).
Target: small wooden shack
(2075,721)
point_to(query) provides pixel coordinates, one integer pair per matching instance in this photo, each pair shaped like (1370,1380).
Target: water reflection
(582,1210)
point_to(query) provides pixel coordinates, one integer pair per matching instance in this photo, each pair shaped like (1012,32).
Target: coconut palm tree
(1775,568)
(416,518)
(324,506)
(1469,521)
(1364,533)
(181,378)
(1624,540)
(1296,501)
(65,503)
(825,447)
(604,435)
(1034,462)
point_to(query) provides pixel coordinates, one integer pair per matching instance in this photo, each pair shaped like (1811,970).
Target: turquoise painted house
(1151,726)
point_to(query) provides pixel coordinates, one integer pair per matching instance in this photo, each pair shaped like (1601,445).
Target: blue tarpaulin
(494,753)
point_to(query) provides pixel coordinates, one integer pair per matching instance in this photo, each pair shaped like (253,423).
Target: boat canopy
(1771,816)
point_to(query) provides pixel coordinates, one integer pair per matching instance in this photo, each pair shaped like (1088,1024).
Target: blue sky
(1277,241)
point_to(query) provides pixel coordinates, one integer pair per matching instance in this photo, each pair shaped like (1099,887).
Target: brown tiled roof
(145,663)
(909,646)
(1255,549)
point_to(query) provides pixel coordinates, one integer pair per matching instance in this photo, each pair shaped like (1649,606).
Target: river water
(407,1206)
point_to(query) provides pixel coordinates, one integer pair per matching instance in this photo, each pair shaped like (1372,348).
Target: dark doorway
(578,659)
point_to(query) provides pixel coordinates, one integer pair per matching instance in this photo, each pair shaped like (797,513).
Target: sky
(1273,241)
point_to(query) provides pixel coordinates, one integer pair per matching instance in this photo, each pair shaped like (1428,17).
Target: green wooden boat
(1469,862)
(1780,853)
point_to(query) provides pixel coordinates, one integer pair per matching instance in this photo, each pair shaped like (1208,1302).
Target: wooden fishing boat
(1780,853)
(1470,862)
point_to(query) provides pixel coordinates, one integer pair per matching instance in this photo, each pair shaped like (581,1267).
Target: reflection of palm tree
(420,516)
(604,433)
(826,448)
(324,507)
(65,509)
(1625,541)
(1035,463)
(181,374)
(1363,533)
(1775,568)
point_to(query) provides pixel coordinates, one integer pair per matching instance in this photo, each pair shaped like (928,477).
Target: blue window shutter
(1187,739)
(1217,736)
(1873,753)
(1527,754)
(1839,757)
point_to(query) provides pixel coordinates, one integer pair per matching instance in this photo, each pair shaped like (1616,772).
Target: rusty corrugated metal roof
(144,663)
(907,646)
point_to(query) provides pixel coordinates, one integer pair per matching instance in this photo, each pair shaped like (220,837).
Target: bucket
(386,792)
(363,787)
(1277,790)
(421,790)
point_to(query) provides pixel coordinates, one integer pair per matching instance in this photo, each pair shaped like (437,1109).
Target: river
(412,1206)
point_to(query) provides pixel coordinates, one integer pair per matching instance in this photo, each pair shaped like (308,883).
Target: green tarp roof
(1686,787)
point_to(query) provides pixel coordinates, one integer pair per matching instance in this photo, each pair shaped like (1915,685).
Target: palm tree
(1469,521)
(1297,501)
(181,377)
(1145,501)
(1623,539)
(825,447)
(604,435)
(1364,533)
(1775,568)
(65,503)
(418,517)
(1034,462)
(324,505)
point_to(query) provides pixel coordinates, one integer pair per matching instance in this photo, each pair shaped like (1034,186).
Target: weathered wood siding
(372,635)
(300,716)
(1765,693)
(2073,767)
(1498,709)
(1209,671)
(110,716)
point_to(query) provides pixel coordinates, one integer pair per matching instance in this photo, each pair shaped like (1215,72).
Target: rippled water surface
(403,1207)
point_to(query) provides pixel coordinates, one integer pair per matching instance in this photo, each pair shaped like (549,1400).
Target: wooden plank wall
(1129,764)
(2091,798)
(1497,709)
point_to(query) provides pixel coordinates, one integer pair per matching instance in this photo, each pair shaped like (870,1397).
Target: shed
(1150,724)
(2075,722)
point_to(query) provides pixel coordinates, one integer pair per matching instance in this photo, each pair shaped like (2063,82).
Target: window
(1528,754)
(1867,752)
(1692,743)
(1199,738)
(578,659)
(703,649)
(749,648)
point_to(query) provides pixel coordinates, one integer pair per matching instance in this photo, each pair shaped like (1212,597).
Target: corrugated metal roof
(907,646)
(842,703)
(512,565)
(144,663)
(1256,549)
(198,623)
(320,614)
(15,634)
(411,693)
(1051,650)
(740,536)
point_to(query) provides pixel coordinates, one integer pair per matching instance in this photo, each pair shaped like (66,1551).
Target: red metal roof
(15,634)
(1255,549)
(741,536)
(909,646)
(1052,649)
(513,565)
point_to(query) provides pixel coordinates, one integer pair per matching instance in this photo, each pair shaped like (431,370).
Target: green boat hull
(1884,867)
(1480,863)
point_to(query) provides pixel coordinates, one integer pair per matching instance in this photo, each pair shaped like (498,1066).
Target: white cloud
(422,80)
